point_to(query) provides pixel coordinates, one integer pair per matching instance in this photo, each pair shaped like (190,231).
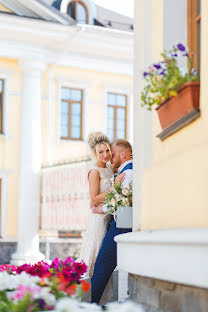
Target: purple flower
(174,54)
(162,73)
(41,303)
(145,74)
(181,47)
(186,54)
(157,66)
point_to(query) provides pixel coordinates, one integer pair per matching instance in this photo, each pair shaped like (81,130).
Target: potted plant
(119,203)
(173,90)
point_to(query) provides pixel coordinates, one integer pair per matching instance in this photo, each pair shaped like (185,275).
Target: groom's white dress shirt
(127,180)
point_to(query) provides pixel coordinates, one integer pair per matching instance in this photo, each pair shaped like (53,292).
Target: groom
(107,258)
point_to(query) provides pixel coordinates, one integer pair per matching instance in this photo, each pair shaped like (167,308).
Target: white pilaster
(30,164)
(142,118)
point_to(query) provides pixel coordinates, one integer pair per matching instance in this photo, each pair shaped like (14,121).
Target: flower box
(175,108)
(124,217)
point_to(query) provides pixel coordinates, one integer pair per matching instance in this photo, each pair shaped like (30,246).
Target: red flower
(67,274)
(85,286)
(71,290)
(80,267)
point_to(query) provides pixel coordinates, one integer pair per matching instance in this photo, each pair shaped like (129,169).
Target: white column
(142,151)
(29,164)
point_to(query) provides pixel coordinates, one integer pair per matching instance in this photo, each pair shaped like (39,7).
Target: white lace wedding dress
(95,231)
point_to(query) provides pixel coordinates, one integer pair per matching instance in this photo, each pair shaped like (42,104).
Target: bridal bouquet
(38,287)
(118,196)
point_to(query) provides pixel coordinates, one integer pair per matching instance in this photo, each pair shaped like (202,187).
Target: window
(71,113)
(78,11)
(194,30)
(1,104)
(116,116)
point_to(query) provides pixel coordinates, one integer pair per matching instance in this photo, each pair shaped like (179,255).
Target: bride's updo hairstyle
(95,139)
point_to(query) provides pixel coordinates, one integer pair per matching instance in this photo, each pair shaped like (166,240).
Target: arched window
(78,11)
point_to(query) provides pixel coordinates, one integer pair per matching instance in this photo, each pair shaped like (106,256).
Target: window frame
(76,6)
(125,108)
(193,20)
(5,76)
(70,115)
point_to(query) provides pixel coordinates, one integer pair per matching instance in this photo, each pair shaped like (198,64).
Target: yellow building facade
(44,52)
(166,255)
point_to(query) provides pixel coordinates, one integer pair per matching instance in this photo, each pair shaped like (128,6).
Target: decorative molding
(179,124)
(8,240)
(80,46)
(27,64)
(176,255)
(72,83)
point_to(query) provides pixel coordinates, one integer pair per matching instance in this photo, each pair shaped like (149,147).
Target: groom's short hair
(123,144)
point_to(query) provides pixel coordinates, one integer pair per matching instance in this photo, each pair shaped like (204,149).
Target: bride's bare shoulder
(94,170)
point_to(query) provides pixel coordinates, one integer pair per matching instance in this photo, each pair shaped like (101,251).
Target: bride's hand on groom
(97,209)
(119,179)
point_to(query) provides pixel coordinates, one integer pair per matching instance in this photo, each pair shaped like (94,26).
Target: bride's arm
(94,186)
(98,198)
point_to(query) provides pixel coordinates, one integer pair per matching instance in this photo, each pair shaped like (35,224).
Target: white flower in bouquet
(125,201)
(125,191)
(117,197)
(113,202)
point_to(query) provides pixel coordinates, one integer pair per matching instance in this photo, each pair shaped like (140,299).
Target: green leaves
(9,306)
(163,79)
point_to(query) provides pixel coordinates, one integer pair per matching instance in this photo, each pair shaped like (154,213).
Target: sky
(121,6)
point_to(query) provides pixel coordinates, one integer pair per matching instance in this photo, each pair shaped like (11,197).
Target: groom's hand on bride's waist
(98,209)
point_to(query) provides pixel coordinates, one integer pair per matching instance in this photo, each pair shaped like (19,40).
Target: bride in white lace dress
(100,179)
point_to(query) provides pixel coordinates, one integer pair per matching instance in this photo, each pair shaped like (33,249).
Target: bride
(100,179)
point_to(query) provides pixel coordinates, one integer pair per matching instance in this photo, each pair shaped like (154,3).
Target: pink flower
(22,291)
(150,68)
(8,268)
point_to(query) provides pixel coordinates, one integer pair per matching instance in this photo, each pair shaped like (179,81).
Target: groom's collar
(123,165)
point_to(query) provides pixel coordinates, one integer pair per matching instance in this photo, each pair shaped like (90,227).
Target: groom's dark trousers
(106,262)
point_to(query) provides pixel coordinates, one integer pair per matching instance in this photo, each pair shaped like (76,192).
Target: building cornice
(66,45)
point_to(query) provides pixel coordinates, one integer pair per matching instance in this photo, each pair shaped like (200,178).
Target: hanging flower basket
(174,89)
(182,104)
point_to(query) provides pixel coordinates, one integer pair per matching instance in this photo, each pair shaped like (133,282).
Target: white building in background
(66,68)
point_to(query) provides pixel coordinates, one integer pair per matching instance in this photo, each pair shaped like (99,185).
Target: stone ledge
(177,255)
